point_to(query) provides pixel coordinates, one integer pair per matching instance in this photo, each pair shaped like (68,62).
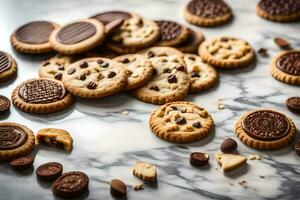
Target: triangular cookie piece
(230,161)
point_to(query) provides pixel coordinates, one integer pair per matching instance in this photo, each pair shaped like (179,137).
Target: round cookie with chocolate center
(77,37)
(227,52)
(16,140)
(4,105)
(207,12)
(41,96)
(279,10)
(70,185)
(8,67)
(285,67)
(192,43)
(181,122)
(265,129)
(95,77)
(293,104)
(49,171)
(33,37)
(22,163)
(171,33)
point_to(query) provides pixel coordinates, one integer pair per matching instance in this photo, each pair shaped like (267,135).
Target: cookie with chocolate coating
(41,96)
(8,67)
(192,43)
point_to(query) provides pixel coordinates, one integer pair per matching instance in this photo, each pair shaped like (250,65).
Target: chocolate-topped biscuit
(293,104)
(41,96)
(5,62)
(199,159)
(4,105)
(8,67)
(22,163)
(49,171)
(290,63)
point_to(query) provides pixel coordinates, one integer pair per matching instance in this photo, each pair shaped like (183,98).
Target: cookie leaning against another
(41,96)
(181,122)
(265,129)
(227,52)
(193,42)
(95,77)
(16,140)
(33,37)
(285,67)
(8,67)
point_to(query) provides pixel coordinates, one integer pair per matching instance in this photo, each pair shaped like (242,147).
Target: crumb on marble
(125,112)
(242,183)
(254,157)
(262,176)
(139,187)
(263,52)
(220,105)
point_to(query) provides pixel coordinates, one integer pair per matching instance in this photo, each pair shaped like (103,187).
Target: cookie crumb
(220,105)
(282,43)
(262,176)
(263,52)
(125,112)
(139,187)
(254,157)
(242,183)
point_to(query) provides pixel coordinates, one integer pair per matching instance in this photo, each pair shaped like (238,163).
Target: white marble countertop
(107,143)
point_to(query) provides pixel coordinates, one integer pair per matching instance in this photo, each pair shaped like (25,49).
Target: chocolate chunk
(172,79)
(169,30)
(111,74)
(282,43)
(293,104)
(174,107)
(100,62)
(125,61)
(289,62)
(228,145)
(104,65)
(199,159)
(192,58)
(4,105)
(208,8)
(151,54)
(154,87)
(297,147)
(195,74)
(12,137)
(49,171)
(180,120)
(5,62)
(154,72)
(22,163)
(92,85)
(263,52)
(167,70)
(197,125)
(71,71)
(62,67)
(82,77)
(118,188)
(46,63)
(181,68)
(71,184)
(58,76)
(83,65)
(223,39)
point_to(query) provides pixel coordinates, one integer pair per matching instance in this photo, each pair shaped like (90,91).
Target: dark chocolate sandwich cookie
(22,163)
(41,96)
(4,105)
(71,184)
(118,188)
(293,104)
(171,33)
(77,37)
(199,159)
(279,10)
(8,67)
(33,37)
(265,129)
(192,43)
(207,12)
(16,140)
(49,171)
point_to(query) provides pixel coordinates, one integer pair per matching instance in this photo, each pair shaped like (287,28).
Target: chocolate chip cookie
(8,67)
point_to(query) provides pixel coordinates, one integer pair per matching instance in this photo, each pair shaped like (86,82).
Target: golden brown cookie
(16,140)
(181,122)
(285,67)
(230,162)
(77,37)
(33,37)
(154,52)
(193,42)
(279,10)
(95,77)
(145,171)
(265,129)
(8,67)
(138,69)
(202,76)
(55,137)
(207,12)
(227,52)
(41,96)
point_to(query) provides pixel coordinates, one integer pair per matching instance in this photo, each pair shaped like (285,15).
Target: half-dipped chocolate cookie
(207,12)
(265,129)
(293,104)
(16,140)
(77,37)
(33,37)
(279,10)
(285,67)
(41,96)
(8,67)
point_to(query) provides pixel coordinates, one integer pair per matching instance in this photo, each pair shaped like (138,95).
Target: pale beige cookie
(55,137)
(16,140)
(230,162)
(202,76)
(285,67)
(207,12)
(145,171)
(8,67)
(181,122)
(77,37)
(101,51)
(226,52)
(138,69)
(193,42)
(41,96)
(265,129)
(95,77)
(153,52)
(33,37)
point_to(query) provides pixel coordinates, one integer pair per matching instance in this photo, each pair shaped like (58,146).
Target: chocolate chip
(84,65)
(154,72)
(197,125)
(181,68)
(282,43)
(71,71)
(125,61)
(224,39)
(192,58)
(92,85)
(118,188)
(82,77)
(22,163)
(199,159)
(297,147)
(167,70)
(154,87)
(228,145)
(58,76)
(62,67)
(174,107)
(100,62)
(111,74)
(104,65)
(151,54)
(46,63)
(180,120)
(263,52)
(195,74)
(172,79)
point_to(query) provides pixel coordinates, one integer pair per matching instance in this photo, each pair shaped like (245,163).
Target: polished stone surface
(107,143)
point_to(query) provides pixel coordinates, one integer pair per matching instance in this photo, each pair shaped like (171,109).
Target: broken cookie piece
(230,162)
(145,171)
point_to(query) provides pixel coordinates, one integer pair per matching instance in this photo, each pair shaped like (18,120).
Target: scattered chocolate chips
(181,68)
(22,163)
(58,76)
(197,125)
(49,171)
(84,65)
(297,147)
(111,74)
(118,188)
(92,85)
(154,87)
(293,104)
(195,74)
(263,52)
(228,145)
(282,43)
(71,71)
(180,120)
(151,54)
(4,105)
(82,77)
(104,65)
(172,79)
(125,61)
(199,159)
